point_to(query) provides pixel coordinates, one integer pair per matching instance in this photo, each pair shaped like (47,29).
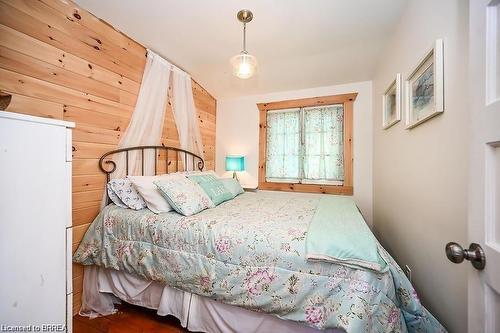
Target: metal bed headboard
(109,166)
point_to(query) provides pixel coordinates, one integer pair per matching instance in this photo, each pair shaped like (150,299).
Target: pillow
(232,186)
(197,173)
(127,194)
(213,187)
(184,195)
(114,197)
(149,192)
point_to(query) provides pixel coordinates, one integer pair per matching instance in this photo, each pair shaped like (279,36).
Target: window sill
(309,188)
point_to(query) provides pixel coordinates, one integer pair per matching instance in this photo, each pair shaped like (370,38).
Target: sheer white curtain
(146,124)
(185,114)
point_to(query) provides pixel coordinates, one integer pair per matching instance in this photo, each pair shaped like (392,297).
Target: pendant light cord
(244,38)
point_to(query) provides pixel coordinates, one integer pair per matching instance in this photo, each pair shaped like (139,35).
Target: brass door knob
(474,254)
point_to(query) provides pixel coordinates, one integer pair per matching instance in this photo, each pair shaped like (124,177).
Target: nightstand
(250,188)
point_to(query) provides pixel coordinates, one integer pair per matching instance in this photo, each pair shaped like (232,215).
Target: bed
(242,266)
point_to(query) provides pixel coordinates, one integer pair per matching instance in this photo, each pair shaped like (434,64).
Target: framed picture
(424,88)
(391,103)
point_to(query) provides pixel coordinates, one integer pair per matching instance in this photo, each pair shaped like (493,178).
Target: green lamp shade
(235,163)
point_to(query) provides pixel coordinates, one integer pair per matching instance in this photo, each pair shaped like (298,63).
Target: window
(306,145)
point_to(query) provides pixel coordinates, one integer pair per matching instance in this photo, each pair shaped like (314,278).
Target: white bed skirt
(196,313)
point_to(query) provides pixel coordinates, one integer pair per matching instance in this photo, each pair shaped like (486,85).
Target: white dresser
(35,222)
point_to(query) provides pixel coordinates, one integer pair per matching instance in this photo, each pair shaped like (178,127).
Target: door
(484,172)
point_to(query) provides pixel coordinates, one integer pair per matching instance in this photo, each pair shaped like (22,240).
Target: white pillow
(150,193)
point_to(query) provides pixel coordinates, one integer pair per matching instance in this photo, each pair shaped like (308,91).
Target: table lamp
(235,163)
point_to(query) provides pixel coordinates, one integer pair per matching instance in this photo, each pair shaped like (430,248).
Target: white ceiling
(298,43)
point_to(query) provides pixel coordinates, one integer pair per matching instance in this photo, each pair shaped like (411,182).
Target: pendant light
(244,64)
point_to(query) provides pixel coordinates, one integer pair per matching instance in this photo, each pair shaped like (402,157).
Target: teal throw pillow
(213,187)
(232,185)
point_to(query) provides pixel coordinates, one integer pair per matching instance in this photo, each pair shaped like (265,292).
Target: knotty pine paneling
(59,61)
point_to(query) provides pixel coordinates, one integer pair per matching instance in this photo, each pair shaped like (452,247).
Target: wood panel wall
(59,61)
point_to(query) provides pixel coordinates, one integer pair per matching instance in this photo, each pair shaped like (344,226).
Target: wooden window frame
(347,187)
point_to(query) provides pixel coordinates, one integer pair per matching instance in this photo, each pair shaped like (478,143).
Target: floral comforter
(250,252)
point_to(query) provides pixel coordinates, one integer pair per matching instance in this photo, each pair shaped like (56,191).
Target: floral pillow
(213,187)
(112,195)
(126,193)
(184,195)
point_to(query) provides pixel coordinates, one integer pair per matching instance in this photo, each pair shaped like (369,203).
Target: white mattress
(196,313)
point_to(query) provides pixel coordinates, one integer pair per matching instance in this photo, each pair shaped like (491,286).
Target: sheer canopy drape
(146,124)
(185,114)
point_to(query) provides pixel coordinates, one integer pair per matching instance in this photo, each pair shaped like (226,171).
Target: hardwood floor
(128,319)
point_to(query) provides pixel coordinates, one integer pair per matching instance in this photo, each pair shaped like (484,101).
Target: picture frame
(391,103)
(424,88)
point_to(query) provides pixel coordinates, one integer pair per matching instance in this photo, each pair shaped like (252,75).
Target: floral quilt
(250,252)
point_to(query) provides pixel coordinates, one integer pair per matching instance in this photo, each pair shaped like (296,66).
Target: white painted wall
(420,175)
(238,134)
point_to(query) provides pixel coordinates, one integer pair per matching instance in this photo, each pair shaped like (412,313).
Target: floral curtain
(283,145)
(306,145)
(324,143)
